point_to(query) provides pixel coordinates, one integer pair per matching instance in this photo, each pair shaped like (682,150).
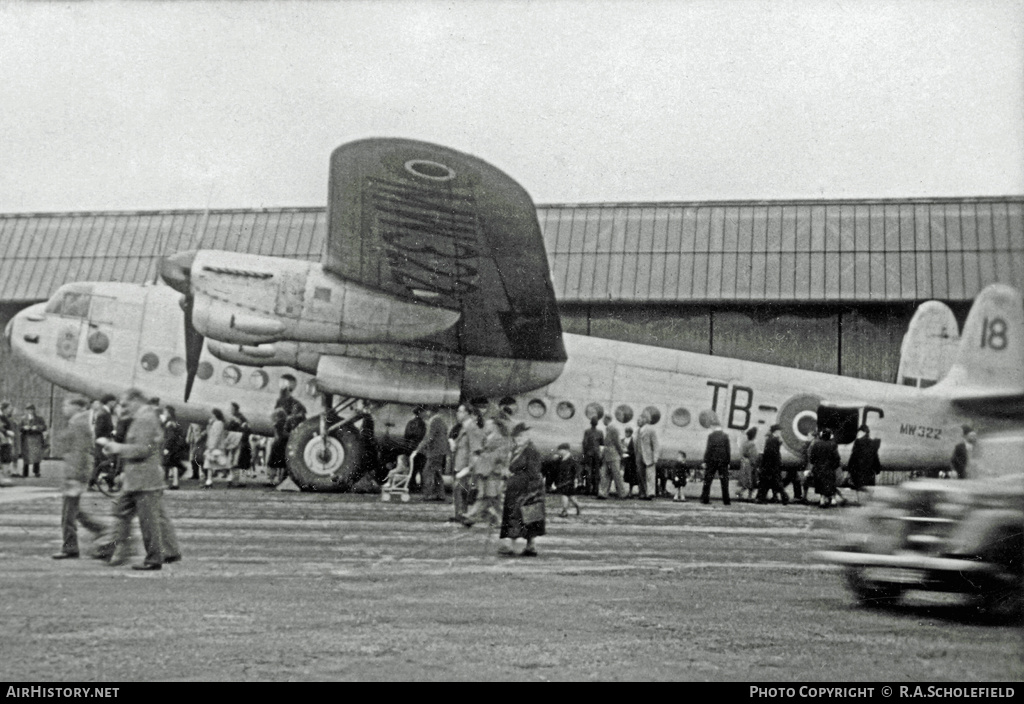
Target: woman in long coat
(824,456)
(523,514)
(33,431)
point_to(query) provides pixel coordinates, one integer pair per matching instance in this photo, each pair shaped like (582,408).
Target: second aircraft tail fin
(989,363)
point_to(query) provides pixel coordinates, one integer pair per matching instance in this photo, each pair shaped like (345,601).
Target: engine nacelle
(414,376)
(247,299)
(301,356)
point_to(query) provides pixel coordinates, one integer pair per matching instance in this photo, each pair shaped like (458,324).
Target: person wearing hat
(33,441)
(770,475)
(75,444)
(523,513)
(566,473)
(863,465)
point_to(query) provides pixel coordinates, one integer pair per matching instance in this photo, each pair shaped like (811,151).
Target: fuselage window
(707,418)
(259,379)
(594,410)
(98,342)
(536,408)
(322,294)
(150,361)
(681,417)
(653,414)
(205,370)
(176,366)
(509,405)
(565,410)
(231,375)
(624,413)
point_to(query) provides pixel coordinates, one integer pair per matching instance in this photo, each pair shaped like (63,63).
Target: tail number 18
(993,334)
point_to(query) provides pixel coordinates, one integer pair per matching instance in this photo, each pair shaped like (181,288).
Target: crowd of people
(498,476)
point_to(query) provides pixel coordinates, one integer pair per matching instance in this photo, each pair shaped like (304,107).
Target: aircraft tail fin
(989,363)
(930,345)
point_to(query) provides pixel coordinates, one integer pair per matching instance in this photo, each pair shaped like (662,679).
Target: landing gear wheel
(385,496)
(871,593)
(317,463)
(405,498)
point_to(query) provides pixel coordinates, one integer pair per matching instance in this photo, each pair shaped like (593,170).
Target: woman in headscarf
(523,515)
(216,438)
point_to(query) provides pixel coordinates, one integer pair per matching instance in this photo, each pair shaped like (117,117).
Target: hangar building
(822,285)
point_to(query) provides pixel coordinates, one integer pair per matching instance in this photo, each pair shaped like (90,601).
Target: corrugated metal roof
(856,251)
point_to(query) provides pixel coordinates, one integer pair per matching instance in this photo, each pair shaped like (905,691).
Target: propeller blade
(176,272)
(193,345)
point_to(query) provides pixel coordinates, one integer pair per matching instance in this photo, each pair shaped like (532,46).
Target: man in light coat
(647,449)
(75,446)
(467,446)
(142,490)
(611,470)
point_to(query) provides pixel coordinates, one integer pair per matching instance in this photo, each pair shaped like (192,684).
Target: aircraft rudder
(991,352)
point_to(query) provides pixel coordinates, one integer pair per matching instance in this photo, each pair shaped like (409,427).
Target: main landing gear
(325,452)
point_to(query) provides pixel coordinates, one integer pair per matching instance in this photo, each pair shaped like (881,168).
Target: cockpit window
(72,304)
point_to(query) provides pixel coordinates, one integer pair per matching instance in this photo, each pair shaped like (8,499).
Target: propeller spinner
(176,271)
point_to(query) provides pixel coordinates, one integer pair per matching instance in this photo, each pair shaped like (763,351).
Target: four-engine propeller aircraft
(434,288)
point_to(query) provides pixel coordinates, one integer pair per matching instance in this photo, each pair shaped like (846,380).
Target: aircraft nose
(176,270)
(7,332)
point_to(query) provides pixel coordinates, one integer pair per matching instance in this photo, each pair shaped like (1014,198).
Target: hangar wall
(822,285)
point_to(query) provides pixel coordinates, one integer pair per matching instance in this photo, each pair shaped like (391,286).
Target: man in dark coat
(434,448)
(958,462)
(593,443)
(824,459)
(770,478)
(863,465)
(716,461)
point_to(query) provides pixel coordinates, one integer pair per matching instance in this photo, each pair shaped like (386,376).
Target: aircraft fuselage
(105,337)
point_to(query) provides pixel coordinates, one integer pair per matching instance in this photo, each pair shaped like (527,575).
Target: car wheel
(870,593)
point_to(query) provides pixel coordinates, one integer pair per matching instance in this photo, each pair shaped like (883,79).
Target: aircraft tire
(315,465)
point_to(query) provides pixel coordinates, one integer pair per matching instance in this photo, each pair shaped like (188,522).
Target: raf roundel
(430,170)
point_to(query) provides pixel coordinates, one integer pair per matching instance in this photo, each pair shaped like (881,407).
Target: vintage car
(948,535)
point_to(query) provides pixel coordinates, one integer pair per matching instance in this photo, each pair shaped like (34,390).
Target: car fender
(990,534)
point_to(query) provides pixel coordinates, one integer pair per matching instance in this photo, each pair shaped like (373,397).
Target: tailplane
(989,366)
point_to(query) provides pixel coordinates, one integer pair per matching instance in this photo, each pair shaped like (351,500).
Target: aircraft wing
(432,225)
